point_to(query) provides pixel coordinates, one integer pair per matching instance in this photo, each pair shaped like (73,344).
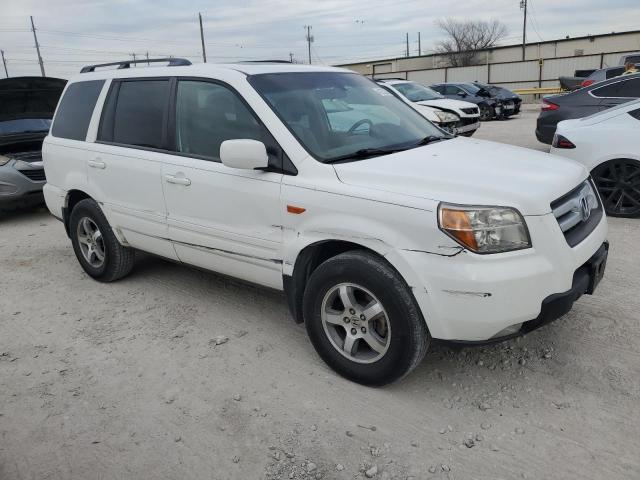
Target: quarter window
(75,110)
(207,114)
(140,113)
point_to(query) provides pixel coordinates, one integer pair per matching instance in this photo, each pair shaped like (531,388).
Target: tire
(618,182)
(110,261)
(399,331)
(486,113)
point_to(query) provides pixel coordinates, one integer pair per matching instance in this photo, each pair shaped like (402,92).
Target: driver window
(207,114)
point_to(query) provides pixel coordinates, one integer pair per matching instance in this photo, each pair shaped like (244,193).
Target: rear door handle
(97,164)
(177,180)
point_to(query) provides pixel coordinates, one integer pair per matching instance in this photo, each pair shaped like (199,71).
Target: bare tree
(466,38)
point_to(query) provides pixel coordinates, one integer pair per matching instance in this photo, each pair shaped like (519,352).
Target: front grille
(468,121)
(35,175)
(471,111)
(578,212)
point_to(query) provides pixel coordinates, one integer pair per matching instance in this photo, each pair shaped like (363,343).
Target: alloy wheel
(618,182)
(356,323)
(91,242)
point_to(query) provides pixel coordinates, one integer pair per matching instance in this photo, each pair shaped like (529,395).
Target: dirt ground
(126,381)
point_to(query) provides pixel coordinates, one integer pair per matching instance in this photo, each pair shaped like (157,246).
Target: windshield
(471,88)
(416,92)
(337,116)
(25,125)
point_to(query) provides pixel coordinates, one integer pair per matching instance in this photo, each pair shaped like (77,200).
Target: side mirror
(244,153)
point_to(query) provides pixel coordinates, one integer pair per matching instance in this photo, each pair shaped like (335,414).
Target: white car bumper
(475,298)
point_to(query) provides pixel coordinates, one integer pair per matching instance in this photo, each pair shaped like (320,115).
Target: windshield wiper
(365,153)
(378,152)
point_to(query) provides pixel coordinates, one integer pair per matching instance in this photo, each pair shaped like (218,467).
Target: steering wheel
(359,123)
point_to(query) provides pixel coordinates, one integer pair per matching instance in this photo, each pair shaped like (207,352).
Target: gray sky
(73,33)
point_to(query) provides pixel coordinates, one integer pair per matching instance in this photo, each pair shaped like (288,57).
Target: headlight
(4,160)
(446,117)
(484,229)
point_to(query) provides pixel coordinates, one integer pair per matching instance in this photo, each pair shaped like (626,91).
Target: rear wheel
(95,245)
(363,320)
(618,182)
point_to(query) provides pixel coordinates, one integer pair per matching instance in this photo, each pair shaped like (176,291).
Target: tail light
(547,106)
(562,142)
(586,83)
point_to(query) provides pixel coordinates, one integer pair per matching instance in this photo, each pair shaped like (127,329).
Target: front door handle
(177,180)
(97,163)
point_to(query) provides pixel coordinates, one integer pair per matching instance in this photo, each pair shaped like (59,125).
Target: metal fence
(513,75)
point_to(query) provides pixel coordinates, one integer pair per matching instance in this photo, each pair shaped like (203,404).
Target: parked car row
(452,115)
(604,138)
(383,231)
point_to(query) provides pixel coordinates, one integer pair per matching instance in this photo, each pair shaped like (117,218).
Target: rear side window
(75,110)
(136,113)
(614,72)
(622,89)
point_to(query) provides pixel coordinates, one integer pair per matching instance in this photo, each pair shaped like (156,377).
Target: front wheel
(486,113)
(618,182)
(363,320)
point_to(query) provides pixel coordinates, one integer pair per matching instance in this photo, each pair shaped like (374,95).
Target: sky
(73,33)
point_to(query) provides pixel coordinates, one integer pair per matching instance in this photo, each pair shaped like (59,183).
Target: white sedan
(607,144)
(456,116)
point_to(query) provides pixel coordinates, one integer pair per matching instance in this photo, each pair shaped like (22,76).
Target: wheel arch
(313,255)
(72,198)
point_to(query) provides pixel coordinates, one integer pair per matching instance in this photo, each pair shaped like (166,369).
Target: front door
(220,218)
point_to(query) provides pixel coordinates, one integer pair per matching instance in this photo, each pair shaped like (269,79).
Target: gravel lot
(130,380)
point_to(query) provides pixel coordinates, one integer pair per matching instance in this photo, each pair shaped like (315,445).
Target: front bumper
(557,305)
(473,298)
(15,187)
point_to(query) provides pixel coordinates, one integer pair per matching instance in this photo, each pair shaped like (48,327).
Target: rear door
(125,164)
(221,218)
(623,90)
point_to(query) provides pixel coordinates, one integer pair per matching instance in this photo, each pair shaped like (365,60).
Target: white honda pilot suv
(383,232)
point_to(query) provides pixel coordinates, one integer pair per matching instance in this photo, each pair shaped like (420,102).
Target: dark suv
(584,102)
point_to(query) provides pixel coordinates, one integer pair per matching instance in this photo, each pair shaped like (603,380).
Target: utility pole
(407,44)
(147,55)
(523,6)
(419,46)
(291,57)
(134,59)
(4,62)
(33,29)
(309,40)
(204,52)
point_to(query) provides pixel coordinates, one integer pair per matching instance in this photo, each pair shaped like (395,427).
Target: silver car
(27,105)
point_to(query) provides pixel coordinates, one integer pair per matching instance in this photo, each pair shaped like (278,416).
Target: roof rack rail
(388,78)
(173,62)
(266,61)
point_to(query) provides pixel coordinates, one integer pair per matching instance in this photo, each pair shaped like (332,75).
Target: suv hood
(29,97)
(466,171)
(447,104)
